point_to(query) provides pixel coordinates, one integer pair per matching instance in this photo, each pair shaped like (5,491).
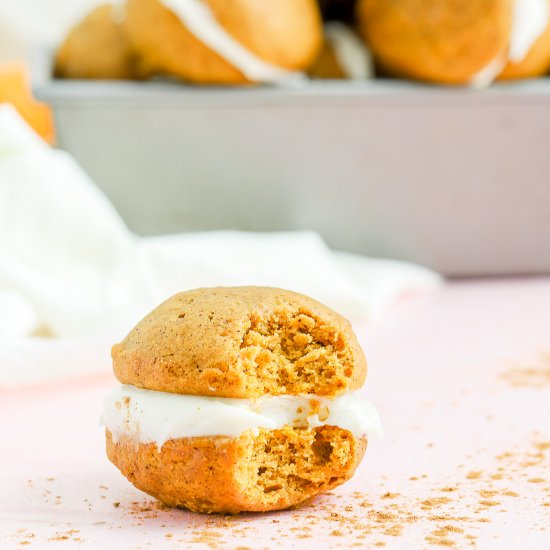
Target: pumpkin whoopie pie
(458,41)
(238,399)
(225,41)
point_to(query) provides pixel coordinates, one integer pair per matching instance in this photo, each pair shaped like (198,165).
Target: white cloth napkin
(74,279)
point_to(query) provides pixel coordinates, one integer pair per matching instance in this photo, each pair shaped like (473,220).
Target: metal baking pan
(456,179)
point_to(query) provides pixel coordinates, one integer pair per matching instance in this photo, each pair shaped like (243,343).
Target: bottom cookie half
(268,470)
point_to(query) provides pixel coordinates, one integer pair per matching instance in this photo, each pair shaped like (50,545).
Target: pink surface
(461,378)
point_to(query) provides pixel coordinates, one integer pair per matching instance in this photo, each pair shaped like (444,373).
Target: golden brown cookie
(273,470)
(443,41)
(283,33)
(241,342)
(97,48)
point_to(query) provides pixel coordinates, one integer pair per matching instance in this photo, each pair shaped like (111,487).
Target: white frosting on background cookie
(529,20)
(353,56)
(199,20)
(153,416)
(487,75)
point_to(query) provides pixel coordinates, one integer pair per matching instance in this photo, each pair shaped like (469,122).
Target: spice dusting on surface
(534,374)
(440,536)
(446,512)
(489,502)
(65,535)
(449,512)
(434,502)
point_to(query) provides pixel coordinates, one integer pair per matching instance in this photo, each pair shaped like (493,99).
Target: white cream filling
(530,19)
(153,416)
(351,53)
(199,20)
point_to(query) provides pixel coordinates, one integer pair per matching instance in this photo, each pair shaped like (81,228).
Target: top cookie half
(241,342)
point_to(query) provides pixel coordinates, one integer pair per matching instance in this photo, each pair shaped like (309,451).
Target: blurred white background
(26,25)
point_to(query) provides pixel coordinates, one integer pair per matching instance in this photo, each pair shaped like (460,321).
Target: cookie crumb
(434,502)
(394,531)
(489,502)
(485,493)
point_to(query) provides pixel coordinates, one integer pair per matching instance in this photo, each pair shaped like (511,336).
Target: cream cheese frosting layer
(199,20)
(153,416)
(350,51)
